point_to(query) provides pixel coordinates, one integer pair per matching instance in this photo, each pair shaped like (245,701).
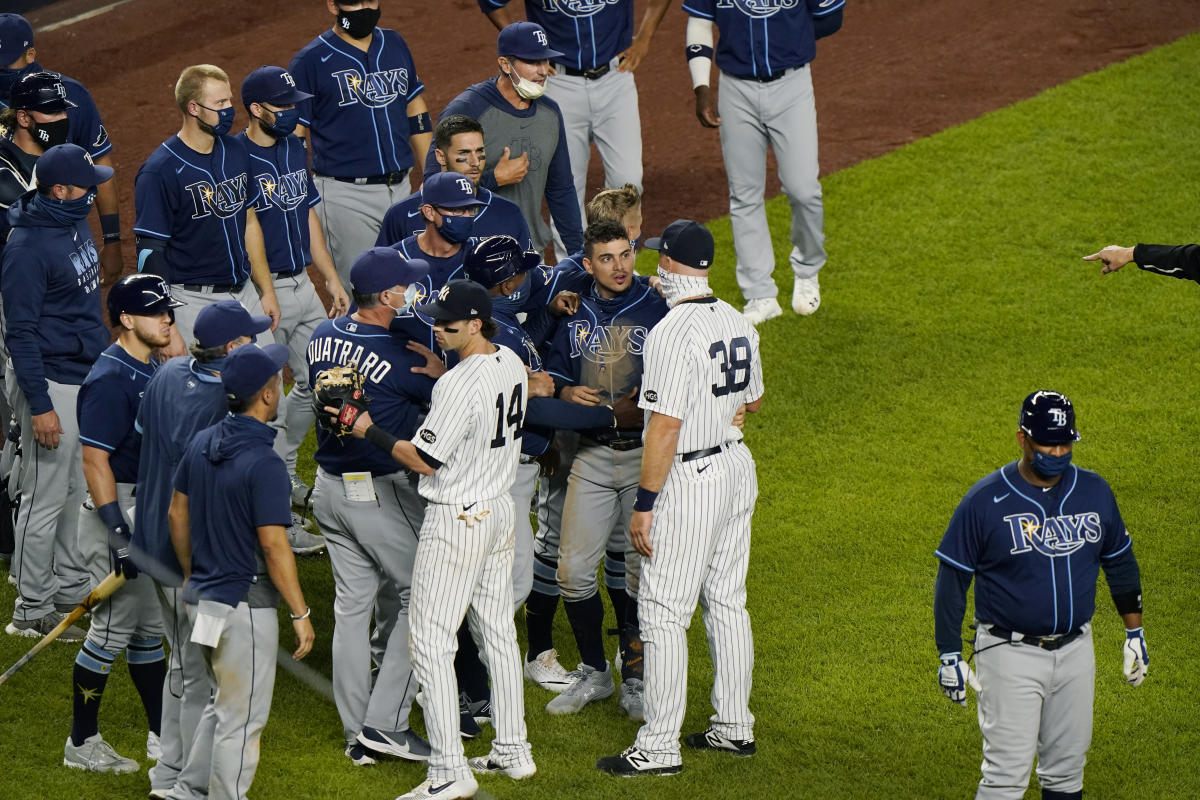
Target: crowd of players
(226,229)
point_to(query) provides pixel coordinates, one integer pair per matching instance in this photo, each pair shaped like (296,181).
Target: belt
(386,179)
(212,288)
(708,451)
(615,444)
(768,78)
(592,74)
(1044,642)
(296,274)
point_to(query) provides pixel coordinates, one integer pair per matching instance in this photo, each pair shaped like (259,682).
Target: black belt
(295,274)
(768,78)
(592,74)
(1044,642)
(232,288)
(387,179)
(708,451)
(615,444)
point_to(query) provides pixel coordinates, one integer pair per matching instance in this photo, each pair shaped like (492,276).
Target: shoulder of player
(990,486)
(1089,480)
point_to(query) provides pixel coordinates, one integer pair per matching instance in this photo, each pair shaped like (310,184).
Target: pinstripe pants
(701,538)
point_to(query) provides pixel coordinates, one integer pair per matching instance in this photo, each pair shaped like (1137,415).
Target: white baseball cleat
(443,790)
(761,310)
(806,295)
(302,542)
(484,765)
(96,755)
(588,684)
(153,746)
(546,672)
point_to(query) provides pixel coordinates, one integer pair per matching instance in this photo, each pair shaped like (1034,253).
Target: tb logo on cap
(541,37)
(466,186)
(1059,417)
(288,79)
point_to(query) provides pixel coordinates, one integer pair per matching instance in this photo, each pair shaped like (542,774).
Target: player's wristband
(110,514)
(421,123)
(110,227)
(298,617)
(699,51)
(381,438)
(644,500)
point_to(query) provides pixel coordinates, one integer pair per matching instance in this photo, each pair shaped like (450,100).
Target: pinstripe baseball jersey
(701,363)
(474,429)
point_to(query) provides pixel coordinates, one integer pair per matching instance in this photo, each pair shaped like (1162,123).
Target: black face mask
(49,134)
(358,24)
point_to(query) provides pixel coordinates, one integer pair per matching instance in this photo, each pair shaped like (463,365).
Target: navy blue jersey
(182,398)
(411,324)
(285,194)
(358,116)
(235,484)
(1035,553)
(84,125)
(197,202)
(759,38)
(588,33)
(497,217)
(397,393)
(107,409)
(16,178)
(601,344)
(567,275)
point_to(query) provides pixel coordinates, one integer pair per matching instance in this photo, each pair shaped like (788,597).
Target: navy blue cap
(225,321)
(382,268)
(248,368)
(273,85)
(69,165)
(16,36)
(686,241)
(1049,418)
(459,300)
(526,41)
(448,190)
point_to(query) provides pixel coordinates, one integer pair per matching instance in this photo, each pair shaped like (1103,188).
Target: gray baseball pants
(522,491)
(1034,702)
(300,312)
(371,548)
(351,216)
(195,302)
(781,114)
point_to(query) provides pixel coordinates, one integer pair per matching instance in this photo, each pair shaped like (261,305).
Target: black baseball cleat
(633,762)
(711,740)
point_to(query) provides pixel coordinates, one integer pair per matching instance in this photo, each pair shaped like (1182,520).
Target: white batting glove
(954,676)
(1137,660)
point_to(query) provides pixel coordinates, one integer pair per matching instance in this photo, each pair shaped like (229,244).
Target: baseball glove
(340,388)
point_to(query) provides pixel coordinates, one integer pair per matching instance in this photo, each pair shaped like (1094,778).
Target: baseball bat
(103,591)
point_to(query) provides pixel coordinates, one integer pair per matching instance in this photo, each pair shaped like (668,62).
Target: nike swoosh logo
(1001,497)
(181,169)
(326,58)
(523,127)
(439,789)
(468,508)
(701,469)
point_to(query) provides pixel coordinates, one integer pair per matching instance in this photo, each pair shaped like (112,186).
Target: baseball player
(766,99)
(228,517)
(467,452)
(1033,535)
(596,359)
(196,225)
(368,124)
(140,307)
(369,508)
(54,331)
(183,396)
(528,130)
(293,239)
(458,147)
(593,80)
(18,59)
(691,519)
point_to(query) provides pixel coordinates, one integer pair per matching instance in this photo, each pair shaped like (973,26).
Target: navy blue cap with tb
(687,242)
(459,300)
(69,165)
(1049,418)
(526,41)
(383,268)
(273,85)
(448,190)
(248,368)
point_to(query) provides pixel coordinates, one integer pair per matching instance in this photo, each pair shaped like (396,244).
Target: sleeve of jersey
(666,378)
(270,493)
(821,8)
(90,133)
(299,71)
(560,193)
(491,5)
(448,422)
(390,230)
(415,87)
(1182,261)
(558,360)
(700,8)
(548,412)
(182,477)
(1116,536)
(755,388)
(22,292)
(959,546)
(104,413)
(152,203)
(949,607)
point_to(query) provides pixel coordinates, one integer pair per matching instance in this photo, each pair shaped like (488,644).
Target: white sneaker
(443,790)
(761,310)
(301,493)
(588,684)
(96,755)
(806,295)
(632,699)
(303,543)
(484,765)
(546,672)
(153,746)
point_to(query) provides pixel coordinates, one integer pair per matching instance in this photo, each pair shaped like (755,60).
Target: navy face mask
(1049,466)
(285,122)
(67,212)
(455,230)
(224,121)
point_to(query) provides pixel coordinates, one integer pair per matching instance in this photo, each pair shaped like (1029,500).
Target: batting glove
(1137,660)
(118,539)
(954,676)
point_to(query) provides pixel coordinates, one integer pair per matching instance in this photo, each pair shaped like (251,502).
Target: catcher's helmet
(493,260)
(142,294)
(39,91)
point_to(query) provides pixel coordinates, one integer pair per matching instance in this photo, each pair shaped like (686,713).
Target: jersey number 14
(733,365)
(509,416)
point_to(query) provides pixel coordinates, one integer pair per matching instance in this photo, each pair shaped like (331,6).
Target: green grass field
(954,288)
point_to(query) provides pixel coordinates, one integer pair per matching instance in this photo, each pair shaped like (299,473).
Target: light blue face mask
(410,297)
(1049,466)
